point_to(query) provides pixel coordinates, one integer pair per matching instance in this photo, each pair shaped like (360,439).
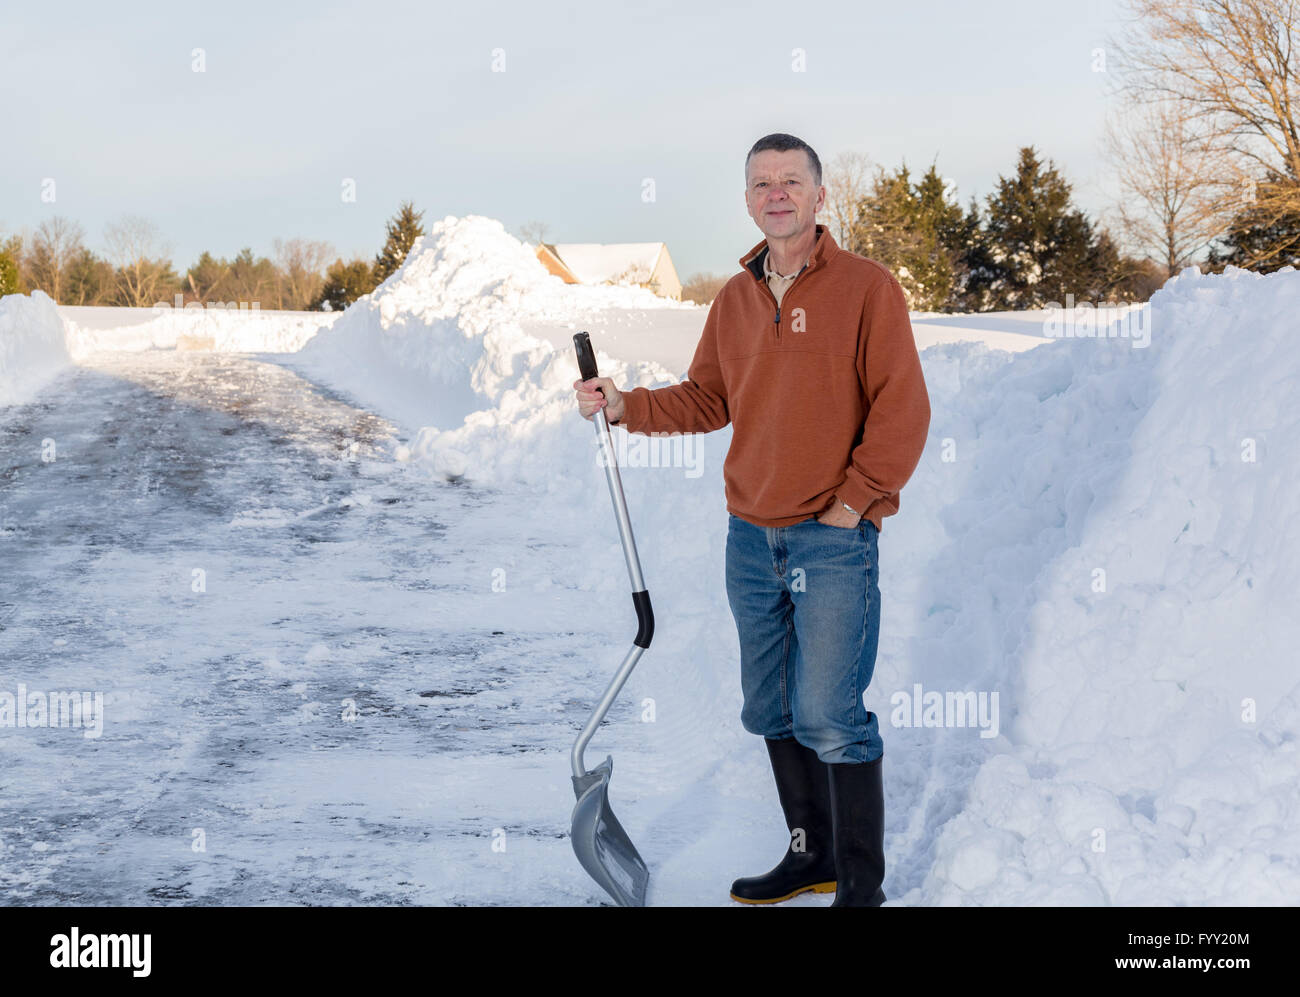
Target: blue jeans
(806,601)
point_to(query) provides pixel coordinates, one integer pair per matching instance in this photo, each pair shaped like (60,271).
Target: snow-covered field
(1101,539)
(223,329)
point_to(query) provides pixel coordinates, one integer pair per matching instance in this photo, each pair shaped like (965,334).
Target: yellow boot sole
(815,888)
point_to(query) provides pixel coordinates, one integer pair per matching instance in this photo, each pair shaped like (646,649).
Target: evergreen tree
(253,280)
(1039,248)
(403,229)
(11,266)
(206,278)
(1259,240)
(244,280)
(975,265)
(936,267)
(883,230)
(89,281)
(1111,274)
(9,281)
(914,230)
(344,283)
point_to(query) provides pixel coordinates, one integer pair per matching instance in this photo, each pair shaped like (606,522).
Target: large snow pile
(220,328)
(1102,534)
(1113,546)
(455,341)
(32,345)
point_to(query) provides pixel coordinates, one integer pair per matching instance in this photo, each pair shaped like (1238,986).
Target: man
(808,353)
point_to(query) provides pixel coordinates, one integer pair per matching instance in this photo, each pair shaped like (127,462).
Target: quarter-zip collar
(823,249)
(752,261)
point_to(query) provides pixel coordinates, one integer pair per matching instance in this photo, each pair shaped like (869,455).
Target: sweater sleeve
(695,405)
(898,405)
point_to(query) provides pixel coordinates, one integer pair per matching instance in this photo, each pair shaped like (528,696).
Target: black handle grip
(586,356)
(645,619)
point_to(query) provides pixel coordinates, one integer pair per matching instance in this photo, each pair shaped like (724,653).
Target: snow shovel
(599,841)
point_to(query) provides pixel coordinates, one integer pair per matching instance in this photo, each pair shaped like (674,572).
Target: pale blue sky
(594,98)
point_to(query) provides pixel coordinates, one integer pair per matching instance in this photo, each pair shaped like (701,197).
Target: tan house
(644,264)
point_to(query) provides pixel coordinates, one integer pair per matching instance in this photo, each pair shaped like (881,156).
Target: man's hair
(781,142)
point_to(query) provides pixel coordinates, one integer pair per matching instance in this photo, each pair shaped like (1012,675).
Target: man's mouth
(787,212)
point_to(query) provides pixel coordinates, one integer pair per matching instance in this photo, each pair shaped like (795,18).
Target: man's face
(780,194)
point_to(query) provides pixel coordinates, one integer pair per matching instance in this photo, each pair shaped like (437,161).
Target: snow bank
(32,345)
(1101,540)
(220,329)
(461,340)
(1114,549)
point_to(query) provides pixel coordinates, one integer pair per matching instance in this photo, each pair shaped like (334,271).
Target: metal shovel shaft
(638,588)
(640,597)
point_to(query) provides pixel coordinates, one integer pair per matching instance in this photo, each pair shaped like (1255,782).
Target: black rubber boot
(802,786)
(858,819)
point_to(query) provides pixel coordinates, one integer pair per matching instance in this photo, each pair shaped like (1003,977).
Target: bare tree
(635,274)
(302,264)
(1171,183)
(57,244)
(534,232)
(702,288)
(848,181)
(143,272)
(1231,67)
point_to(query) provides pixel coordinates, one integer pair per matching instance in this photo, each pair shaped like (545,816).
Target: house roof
(594,263)
(551,260)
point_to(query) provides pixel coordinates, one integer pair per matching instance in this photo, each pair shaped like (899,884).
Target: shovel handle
(640,597)
(587,367)
(586,357)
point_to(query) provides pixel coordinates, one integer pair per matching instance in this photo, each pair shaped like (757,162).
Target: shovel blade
(600,843)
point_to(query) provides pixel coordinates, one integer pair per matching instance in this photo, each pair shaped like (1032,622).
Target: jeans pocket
(869,535)
(841,529)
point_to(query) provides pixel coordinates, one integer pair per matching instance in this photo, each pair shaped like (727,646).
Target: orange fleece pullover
(824,391)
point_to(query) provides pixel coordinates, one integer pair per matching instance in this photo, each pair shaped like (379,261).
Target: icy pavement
(327,678)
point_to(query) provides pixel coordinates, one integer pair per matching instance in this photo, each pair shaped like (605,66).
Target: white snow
(32,345)
(1101,534)
(221,329)
(1114,549)
(1013,331)
(468,327)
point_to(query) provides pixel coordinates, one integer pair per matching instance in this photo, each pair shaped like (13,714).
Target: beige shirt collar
(767,268)
(779,283)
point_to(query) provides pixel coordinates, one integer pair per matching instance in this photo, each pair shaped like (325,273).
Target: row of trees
(1204,144)
(135,270)
(1026,246)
